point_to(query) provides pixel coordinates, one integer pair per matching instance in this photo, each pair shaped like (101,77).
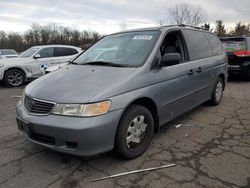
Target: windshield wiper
(104,63)
(72,62)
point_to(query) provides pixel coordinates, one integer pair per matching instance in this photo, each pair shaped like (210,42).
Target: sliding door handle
(191,72)
(199,70)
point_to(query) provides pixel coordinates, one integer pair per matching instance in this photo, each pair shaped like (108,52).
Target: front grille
(36,106)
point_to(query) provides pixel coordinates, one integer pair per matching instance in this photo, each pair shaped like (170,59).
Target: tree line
(48,34)
(239,29)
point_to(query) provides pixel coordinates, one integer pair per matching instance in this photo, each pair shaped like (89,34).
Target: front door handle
(191,72)
(199,70)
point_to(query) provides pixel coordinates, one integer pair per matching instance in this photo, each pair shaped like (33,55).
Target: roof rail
(185,25)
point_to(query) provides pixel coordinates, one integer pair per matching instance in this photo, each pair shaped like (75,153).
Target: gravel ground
(211,149)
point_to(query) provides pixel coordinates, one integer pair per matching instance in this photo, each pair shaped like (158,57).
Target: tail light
(242,53)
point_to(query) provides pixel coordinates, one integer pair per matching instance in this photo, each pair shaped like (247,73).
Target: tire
(217,92)
(127,132)
(14,78)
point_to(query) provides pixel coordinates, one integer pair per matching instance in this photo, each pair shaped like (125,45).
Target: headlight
(83,110)
(1,65)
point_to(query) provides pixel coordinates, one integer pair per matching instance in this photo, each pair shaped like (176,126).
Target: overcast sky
(104,16)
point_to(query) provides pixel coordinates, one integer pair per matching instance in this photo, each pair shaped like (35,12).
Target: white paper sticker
(142,37)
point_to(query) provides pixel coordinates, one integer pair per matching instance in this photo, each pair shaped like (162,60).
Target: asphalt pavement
(210,147)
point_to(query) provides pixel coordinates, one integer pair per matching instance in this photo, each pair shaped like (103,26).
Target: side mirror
(171,59)
(37,56)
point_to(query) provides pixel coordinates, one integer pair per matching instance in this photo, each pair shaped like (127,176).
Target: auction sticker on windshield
(142,37)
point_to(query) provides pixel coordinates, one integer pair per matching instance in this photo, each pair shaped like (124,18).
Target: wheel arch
(12,68)
(150,104)
(222,76)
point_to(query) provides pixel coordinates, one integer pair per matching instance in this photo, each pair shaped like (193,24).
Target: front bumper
(73,135)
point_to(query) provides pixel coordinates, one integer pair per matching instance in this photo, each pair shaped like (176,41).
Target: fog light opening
(71,145)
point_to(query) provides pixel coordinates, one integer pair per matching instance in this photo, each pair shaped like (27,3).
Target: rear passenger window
(216,46)
(65,51)
(198,44)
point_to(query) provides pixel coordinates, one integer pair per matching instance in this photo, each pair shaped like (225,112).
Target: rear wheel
(217,92)
(14,78)
(135,131)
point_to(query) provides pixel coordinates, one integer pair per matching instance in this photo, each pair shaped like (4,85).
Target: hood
(78,83)
(14,60)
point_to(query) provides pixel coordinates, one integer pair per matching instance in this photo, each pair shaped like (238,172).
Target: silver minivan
(117,93)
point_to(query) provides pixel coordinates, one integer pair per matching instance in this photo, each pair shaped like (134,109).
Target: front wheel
(217,92)
(135,131)
(14,78)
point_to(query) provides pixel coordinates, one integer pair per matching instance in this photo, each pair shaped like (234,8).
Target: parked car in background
(8,53)
(57,66)
(238,52)
(33,63)
(121,89)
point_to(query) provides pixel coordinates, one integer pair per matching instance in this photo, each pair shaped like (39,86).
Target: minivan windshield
(28,53)
(125,49)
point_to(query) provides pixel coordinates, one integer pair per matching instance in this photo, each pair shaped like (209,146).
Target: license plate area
(234,67)
(32,134)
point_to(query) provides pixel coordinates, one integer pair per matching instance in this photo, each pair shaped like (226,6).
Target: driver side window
(174,43)
(46,52)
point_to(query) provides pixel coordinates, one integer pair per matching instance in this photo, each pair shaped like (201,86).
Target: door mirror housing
(37,56)
(170,59)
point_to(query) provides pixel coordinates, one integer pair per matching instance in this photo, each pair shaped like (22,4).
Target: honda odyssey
(117,93)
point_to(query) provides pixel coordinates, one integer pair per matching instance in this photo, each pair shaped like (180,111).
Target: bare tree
(123,25)
(185,13)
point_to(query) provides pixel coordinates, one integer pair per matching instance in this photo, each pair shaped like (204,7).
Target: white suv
(33,63)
